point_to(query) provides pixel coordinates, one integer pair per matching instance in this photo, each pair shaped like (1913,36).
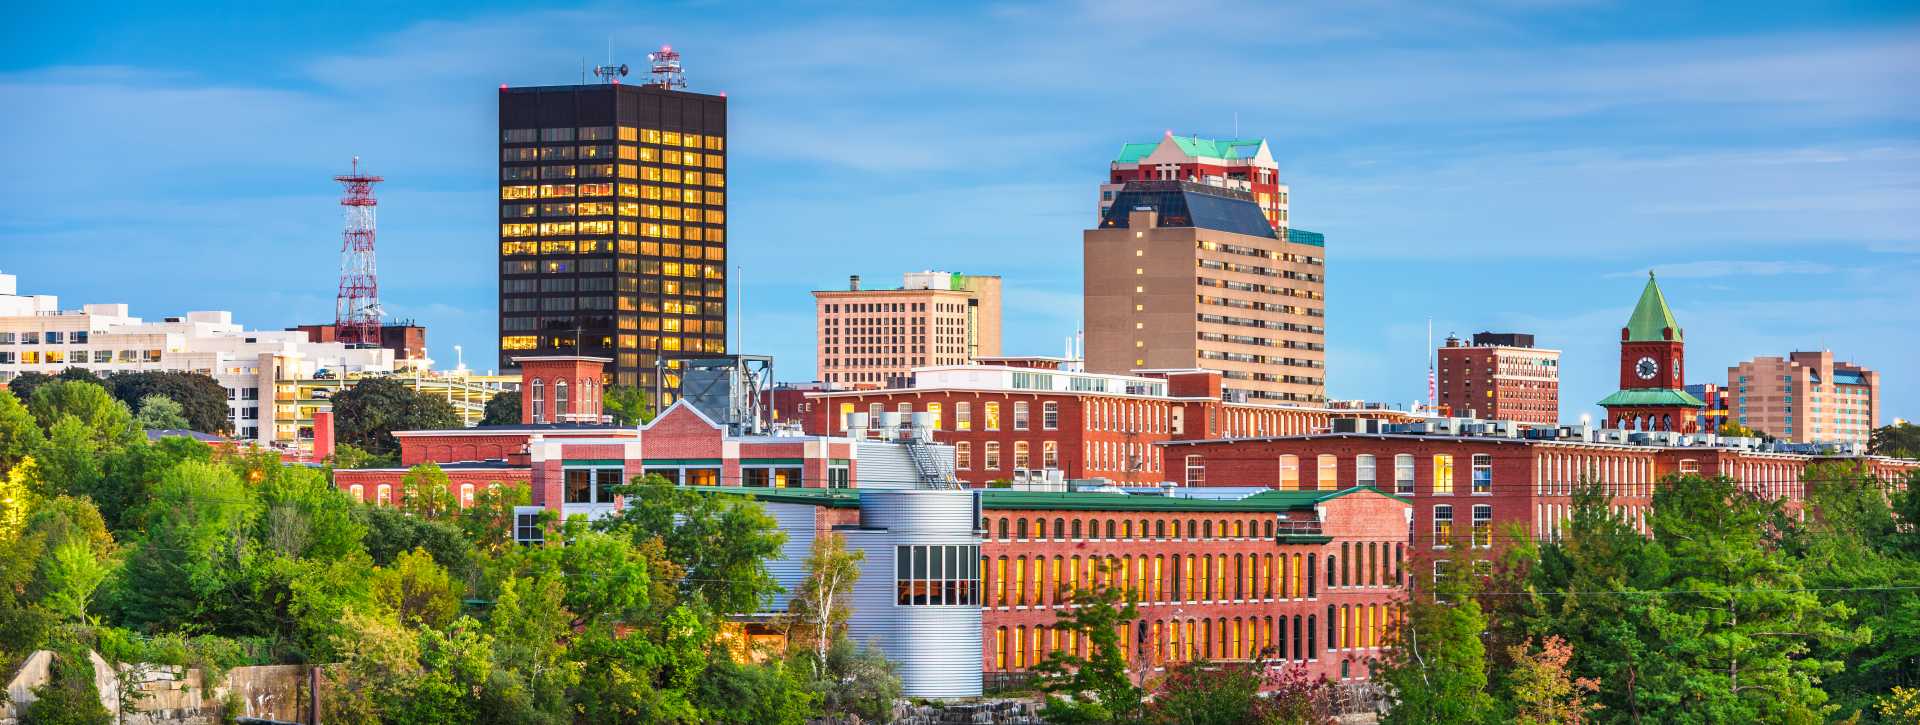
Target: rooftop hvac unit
(1445,426)
(1503,428)
(1346,425)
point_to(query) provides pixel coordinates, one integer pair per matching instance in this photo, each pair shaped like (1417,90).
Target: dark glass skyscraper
(613,224)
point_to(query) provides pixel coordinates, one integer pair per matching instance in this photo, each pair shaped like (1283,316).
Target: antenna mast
(666,69)
(356,314)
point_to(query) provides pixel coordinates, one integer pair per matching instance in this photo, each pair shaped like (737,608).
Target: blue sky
(1508,165)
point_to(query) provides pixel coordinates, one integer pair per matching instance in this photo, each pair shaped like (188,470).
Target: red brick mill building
(1015,416)
(1307,577)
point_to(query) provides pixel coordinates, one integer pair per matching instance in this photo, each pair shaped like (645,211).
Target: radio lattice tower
(356,314)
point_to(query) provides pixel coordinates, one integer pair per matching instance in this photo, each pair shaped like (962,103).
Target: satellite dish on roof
(623,69)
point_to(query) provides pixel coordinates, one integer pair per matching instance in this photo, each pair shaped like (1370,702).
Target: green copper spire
(1651,316)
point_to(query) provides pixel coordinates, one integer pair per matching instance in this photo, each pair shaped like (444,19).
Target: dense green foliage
(502,409)
(626,404)
(1096,688)
(201,400)
(1902,440)
(367,414)
(174,553)
(1726,607)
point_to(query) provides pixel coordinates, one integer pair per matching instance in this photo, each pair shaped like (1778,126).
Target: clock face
(1646,368)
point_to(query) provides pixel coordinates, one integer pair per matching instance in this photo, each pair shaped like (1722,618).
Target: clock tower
(1652,395)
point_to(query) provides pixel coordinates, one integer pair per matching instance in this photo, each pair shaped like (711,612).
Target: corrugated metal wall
(937,648)
(791,568)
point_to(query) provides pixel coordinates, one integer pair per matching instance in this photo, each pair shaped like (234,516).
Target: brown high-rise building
(1806,398)
(1499,376)
(872,338)
(1184,275)
(613,224)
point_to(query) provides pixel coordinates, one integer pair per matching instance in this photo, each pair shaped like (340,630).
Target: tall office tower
(1183,275)
(874,338)
(1500,376)
(1241,164)
(613,222)
(1806,398)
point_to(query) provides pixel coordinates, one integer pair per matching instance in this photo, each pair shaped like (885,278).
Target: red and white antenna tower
(356,313)
(666,69)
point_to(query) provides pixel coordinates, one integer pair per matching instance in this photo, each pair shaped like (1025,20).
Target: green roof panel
(1651,317)
(1227,148)
(1652,396)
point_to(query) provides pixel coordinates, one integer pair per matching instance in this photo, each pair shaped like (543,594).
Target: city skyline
(1775,209)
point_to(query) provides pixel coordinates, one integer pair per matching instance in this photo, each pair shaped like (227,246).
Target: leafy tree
(1096,688)
(1544,692)
(1851,548)
(629,405)
(722,541)
(1435,667)
(859,680)
(502,409)
(426,492)
(1735,429)
(1229,693)
(1901,440)
(769,693)
(71,574)
(391,532)
(305,516)
(1740,623)
(488,522)
(20,434)
(418,590)
(818,613)
(159,412)
(24,384)
(107,421)
(191,549)
(130,474)
(16,498)
(69,459)
(368,413)
(347,456)
(202,400)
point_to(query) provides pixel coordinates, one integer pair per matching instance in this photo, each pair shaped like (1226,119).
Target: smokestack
(853,283)
(323,433)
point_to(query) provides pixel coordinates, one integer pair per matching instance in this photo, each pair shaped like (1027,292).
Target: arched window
(358,492)
(1160,529)
(1003,528)
(1059,528)
(560,409)
(1110,528)
(384,494)
(539,400)
(1076,528)
(466,495)
(1020,529)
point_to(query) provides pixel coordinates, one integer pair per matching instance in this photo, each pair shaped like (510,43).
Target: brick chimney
(323,433)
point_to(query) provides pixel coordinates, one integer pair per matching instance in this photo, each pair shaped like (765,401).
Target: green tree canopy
(367,414)
(20,434)
(722,541)
(1096,688)
(159,412)
(627,404)
(502,409)
(1901,440)
(202,400)
(108,421)
(192,547)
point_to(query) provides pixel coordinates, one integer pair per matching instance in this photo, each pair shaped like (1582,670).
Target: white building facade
(253,365)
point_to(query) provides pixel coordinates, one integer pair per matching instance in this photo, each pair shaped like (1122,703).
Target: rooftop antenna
(610,74)
(667,72)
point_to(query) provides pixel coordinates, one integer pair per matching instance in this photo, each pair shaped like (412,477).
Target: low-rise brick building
(1467,488)
(1032,415)
(1299,576)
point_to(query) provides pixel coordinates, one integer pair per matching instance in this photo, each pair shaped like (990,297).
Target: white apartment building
(260,369)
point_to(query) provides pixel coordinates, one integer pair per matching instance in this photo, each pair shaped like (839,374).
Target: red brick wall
(369,481)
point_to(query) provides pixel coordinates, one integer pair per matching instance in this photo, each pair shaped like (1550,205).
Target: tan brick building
(1182,275)
(1808,397)
(874,338)
(1499,376)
